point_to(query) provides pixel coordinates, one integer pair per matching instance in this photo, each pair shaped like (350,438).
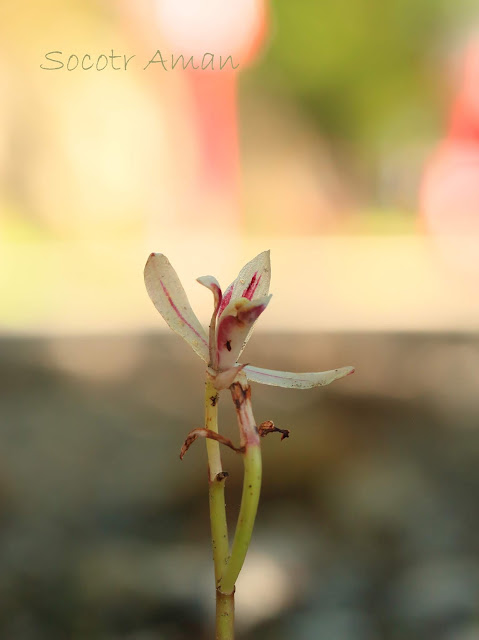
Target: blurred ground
(367,527)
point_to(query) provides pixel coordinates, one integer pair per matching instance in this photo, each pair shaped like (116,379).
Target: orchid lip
(235,326)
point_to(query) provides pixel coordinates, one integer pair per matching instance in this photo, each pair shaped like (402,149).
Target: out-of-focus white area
(195,26)
(342,283)
(263,590)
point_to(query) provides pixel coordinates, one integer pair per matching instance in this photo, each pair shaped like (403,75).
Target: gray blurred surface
(368,522)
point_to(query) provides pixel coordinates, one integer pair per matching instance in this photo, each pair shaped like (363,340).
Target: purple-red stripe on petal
(226,299)
(253,285)
(178,313)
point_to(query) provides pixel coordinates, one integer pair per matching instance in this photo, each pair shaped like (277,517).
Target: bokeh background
(347,142)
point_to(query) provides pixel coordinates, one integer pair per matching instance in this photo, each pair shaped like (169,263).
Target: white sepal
(169,297)
(291,380)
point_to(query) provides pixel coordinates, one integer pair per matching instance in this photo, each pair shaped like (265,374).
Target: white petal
(169,297)
(211,283)
(252,282)
(295,380)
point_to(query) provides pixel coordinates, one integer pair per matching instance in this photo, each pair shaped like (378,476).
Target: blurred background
(347,142)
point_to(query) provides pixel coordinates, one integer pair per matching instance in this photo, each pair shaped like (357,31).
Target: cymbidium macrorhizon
(234,314)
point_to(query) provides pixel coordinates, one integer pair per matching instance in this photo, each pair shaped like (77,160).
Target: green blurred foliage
(362,68)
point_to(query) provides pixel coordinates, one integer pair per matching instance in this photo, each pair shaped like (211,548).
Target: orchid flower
(234,315)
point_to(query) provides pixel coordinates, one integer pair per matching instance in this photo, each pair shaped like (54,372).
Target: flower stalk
(225,618)
(216,480)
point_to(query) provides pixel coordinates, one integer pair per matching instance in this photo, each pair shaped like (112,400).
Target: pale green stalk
(250,441)
(246,518)
(219,527)
(225,609)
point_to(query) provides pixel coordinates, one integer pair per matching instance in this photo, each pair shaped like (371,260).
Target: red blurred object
(450,188)
(214,102)
(192,28)
(465,113)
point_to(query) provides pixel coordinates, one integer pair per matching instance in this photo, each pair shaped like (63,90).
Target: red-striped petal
(169,297)
(252,282)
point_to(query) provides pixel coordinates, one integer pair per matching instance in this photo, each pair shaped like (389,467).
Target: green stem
(219,527)
(246,518)
(241,393)
(225,614)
